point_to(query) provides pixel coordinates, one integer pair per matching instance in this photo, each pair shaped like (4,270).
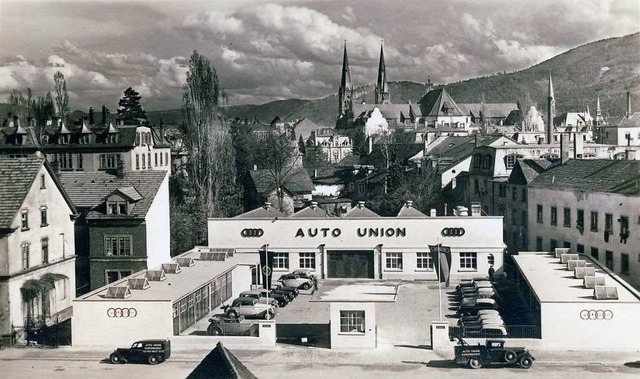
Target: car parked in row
(249,307)
(292,291)
(296,281)
(267,297)
(221,325)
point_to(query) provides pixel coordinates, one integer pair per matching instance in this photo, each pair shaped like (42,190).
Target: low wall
(266,340)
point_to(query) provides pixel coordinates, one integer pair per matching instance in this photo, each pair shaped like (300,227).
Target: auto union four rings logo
(122,312)
(453,232)
(252,233)
(592,314)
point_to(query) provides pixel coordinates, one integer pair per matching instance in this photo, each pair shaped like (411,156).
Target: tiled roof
(311,212)
(363,111)
(526,170)
(130,192)
(593,175)
(262,212)
(16,177)
(221,363)
(361,212)
(490,109)
(298,181)
(434,101)
(408,211)
(459,148)
(627,122)
(89,190)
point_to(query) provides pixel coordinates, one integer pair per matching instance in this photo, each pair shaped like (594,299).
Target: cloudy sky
(268,50)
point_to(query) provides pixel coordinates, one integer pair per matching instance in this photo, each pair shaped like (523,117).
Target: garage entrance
(350,264)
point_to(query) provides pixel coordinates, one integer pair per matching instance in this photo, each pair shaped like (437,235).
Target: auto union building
(362,244)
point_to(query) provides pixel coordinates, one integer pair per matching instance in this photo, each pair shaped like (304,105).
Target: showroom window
(394,261)
(469,261)
(352,322)
(424,261)
(281,260)
(308,260)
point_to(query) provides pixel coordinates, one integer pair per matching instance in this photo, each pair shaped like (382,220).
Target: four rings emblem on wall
(593,314)
(248,233)
(122,312)
(453,232)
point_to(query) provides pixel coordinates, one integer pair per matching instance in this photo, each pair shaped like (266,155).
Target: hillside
(610,67)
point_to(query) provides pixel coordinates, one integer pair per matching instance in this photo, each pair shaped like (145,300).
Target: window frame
(393,261)
(624,264)
(566,217)
(593,221)
(424,262)
(108,161)
(468,261)
(595,253)
(307,260)
(280,261)
(540,214)
(554,216)
(352,322)
(123,245)
(44,244)
(24,220)
(608,259)
(24,254)
(44,221)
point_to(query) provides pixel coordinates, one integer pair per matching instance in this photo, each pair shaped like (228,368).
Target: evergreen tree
(130,109)
(359,142)
(62,96)
(301,147)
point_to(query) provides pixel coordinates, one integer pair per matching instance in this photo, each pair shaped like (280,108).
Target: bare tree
(19,103)
(62,96)
(207,137)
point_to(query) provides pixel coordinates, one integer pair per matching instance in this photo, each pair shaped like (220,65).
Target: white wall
(340,340)
(158,227)
(91,325)
(564,328)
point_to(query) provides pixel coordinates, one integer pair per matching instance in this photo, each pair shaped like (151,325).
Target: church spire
(382,87)
(598,120)
(551,111)
(345,92)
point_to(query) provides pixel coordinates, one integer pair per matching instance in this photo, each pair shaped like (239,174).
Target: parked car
(493,352)
(150,351)
(293,291)
(221,325)
(249,307)
(305,273)
(296,281)
(471,310)
(273,298)
(485,331)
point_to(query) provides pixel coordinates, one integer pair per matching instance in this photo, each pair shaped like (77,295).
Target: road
(80,368)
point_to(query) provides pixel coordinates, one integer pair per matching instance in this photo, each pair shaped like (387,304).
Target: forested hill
(610,67)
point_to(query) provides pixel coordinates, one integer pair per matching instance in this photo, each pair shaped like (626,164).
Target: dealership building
(362,244)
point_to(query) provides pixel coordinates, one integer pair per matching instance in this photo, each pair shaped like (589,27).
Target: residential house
(37,248)
(123,225)
(591,207)
(293,194)
(488,113)
(440,110)
(625,133)
(334,147)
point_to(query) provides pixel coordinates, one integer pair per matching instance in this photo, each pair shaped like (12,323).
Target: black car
(221,325)
(293,291)
(150,351)
(493,352)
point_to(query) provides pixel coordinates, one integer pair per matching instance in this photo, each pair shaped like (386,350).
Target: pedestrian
(491,272)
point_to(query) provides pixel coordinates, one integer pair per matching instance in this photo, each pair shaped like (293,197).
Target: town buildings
(37,247)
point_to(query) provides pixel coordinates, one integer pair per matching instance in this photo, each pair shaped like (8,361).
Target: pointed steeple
(382,87)
(598,120)
(345,93)
(551,111)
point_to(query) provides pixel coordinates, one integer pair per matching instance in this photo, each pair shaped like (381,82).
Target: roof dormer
(122,201)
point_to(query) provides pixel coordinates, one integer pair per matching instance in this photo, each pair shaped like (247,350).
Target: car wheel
(216,332)
(267,315)
(306,286)
(153,360)
(115,359)
(233,314)
(525,362)
(510,356)
(475,363)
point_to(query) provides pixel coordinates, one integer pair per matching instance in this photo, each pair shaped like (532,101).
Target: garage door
(350,264)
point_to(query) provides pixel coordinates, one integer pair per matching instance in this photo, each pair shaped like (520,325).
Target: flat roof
(176,286)
(553,283)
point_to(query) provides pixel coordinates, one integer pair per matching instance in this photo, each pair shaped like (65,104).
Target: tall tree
(130,108)
(207,137)
(19,103)
(62,96)
(42,109)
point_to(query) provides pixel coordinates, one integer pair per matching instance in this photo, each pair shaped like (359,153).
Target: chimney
(628,104)
(104,115)
(578,146)
(91,116)
(314,205)
(564,147)
(360,204)
(120,168)
(315,172)
(433,213)
(255,167)
(267,205)
(476,209)
(369,144)
(408,203)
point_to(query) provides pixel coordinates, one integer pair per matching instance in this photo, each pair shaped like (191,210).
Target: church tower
(382,87)
(551,111)
(598,120)
(345,93)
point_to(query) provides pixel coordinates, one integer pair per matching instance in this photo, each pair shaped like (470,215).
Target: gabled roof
(526,170)
(389,111)
(312,211)
(593,175)
(360,211)
(130,192)
(298,181)
(490,109)
(459,148)
(262,212)
(434,101)
(221,363)
(632,121)
(89,190)
(16,178)
(408,211)
(304,127)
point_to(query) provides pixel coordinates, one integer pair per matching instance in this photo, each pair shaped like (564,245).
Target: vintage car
(267,297)
(493,352)
(249,307)
(296,281)
(487,330)
(305,273)
(292,291)
(221,325)
(473,309)
(150,351)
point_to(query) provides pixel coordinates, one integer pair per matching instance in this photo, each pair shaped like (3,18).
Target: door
(350,264)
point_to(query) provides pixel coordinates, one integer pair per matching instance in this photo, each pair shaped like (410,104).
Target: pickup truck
(493,352)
